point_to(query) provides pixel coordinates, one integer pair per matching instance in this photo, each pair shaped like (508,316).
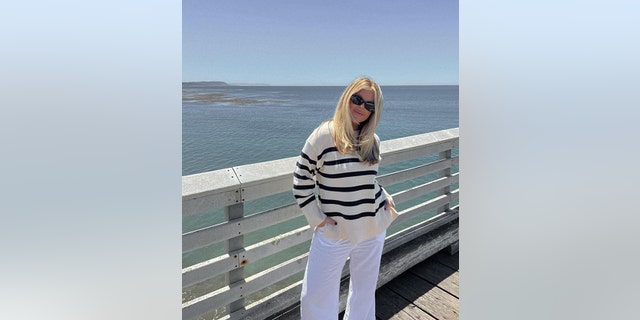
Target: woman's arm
(304,184)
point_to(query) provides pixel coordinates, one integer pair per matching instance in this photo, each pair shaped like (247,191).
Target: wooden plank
(439,275)
(275,274)
(209,302)
(208,269)
(241,258)
(206,203)
(240,289)
(204,192)
(447,133)
(435,301)
(402,149)
(209,235)
(226,230)
(412,173)
(266,178)
(266,189)
(420,151)
(424,188)
(390,305)
(206,183)
(421,208)
(277,244)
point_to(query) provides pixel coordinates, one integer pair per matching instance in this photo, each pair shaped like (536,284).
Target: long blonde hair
(344,136)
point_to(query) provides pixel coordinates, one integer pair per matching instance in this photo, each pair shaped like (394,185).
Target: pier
(246,256)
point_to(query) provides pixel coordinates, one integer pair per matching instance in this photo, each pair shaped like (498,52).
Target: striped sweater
(347,190)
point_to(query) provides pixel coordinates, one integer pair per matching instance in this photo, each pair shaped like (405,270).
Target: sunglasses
(357,100)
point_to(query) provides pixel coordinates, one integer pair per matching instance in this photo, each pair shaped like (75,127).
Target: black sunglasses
(357,100)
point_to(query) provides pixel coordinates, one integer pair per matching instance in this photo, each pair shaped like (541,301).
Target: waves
(224,126)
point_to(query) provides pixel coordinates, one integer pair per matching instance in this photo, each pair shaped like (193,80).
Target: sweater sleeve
(304,184)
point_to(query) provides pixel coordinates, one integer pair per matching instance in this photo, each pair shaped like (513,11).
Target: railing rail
(229,189)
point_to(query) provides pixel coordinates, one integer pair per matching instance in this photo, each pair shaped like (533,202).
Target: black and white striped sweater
(347,190)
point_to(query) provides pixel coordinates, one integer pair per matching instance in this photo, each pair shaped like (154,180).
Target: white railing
(224,257)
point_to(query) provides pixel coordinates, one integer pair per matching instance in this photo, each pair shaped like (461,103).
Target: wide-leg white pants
(321,283)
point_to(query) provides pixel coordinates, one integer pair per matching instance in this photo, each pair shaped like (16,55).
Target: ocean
(226,126)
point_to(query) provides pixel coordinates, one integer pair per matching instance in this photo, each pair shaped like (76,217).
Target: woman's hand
(325,221)
(391,206)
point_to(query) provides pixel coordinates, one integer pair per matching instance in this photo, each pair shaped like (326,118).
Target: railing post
(232,212)
(445,173)
(453,248)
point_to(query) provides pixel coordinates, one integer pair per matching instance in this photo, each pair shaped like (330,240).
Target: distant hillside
(211,83)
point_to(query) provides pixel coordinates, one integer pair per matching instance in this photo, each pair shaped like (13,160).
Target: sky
(321,42)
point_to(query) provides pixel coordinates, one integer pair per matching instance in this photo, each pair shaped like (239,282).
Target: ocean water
(226,126)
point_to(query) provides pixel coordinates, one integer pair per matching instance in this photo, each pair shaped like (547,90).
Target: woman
(352,211)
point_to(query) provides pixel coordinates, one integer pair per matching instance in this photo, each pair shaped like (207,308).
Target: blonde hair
(365,144)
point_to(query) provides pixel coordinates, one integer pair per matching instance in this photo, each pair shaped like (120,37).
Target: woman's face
(358,113)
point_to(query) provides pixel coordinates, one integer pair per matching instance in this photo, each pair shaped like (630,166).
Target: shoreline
(217,97)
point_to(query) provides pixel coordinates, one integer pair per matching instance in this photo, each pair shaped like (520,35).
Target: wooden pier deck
(429,290)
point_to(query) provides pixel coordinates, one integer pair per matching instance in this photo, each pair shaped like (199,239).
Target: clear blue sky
(321,42)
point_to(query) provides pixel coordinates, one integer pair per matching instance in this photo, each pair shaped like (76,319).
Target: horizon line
(304,85)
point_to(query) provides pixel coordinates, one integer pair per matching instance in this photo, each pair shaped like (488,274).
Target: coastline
(217,97)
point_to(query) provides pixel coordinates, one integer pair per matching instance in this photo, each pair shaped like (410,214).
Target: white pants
(321,283)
